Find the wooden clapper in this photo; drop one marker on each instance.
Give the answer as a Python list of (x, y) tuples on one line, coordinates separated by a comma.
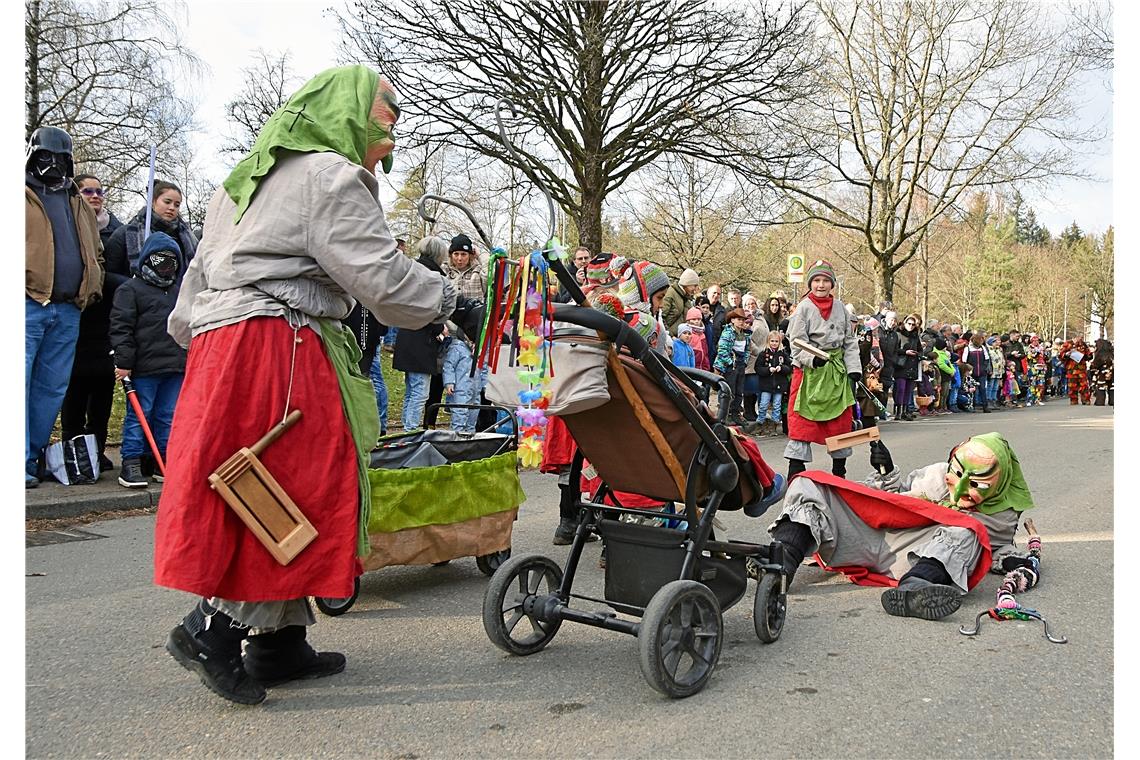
[(843, 440), (259, 500)]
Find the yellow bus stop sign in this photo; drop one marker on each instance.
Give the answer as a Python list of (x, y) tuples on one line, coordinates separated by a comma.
[(795, 267)]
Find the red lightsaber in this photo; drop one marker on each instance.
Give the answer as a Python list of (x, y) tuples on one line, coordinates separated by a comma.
[(129, 388)]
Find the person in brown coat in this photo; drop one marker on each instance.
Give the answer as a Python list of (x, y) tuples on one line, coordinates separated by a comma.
[(63, 273)]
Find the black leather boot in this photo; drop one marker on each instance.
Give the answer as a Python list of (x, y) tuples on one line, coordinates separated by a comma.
[(284, 655), (924, 592), (208, 642)]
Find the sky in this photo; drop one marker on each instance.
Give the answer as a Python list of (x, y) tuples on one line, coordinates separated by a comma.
[(226, 36)]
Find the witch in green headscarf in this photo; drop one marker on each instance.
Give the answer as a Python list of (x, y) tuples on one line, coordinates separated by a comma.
[(293, 238), (931, 535)]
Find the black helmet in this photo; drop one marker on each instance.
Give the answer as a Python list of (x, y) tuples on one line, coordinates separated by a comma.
[(57, 143), (50, 138)]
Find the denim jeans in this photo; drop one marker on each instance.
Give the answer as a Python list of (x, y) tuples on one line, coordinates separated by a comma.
[(415, 399), (954, 387), (767, 398), (157, 395), (992, 386), (376, 374), (50, 333), (457, 362), (390, 337)]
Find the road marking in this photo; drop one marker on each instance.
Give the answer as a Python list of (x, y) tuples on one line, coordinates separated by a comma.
[(1076, 538)]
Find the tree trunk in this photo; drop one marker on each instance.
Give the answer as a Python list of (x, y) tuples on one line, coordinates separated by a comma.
[(589, 221), (591, 175), (884, 279), (32, 70)]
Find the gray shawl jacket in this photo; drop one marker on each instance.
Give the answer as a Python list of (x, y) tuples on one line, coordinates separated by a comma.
[(808, 325), (313, 240)]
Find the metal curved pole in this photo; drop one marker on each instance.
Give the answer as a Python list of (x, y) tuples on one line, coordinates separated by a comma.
[(461, 206), (527, 169)]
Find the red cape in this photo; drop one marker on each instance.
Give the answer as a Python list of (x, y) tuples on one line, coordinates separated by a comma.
[(885, 510)]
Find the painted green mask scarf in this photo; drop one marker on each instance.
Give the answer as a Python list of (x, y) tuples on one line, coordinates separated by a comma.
[(331, 113), (985, 471)]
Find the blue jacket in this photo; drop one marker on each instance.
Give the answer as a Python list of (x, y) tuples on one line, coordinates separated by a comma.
[(683, 355)]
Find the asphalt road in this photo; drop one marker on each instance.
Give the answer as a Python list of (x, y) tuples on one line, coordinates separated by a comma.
[(423, 681)]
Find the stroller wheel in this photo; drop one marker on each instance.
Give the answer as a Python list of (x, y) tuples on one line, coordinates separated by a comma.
[(508, 625), (680, 638), (489, 563), (770, 608), (332, 606)]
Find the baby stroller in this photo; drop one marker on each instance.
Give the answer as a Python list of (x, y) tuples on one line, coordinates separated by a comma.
[(654, 436), (438, 495)]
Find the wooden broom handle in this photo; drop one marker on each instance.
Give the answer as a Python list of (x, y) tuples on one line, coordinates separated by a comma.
[(277, 431)]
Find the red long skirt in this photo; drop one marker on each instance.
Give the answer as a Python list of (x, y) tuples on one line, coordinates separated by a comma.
[(237, 378), (803, 429)]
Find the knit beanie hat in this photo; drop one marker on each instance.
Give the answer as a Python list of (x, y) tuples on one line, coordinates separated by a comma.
[(821, 267), (694, 313), (683, 328), (619, 265), (460, 243), (598, 271), (641, 282), (689, 277)]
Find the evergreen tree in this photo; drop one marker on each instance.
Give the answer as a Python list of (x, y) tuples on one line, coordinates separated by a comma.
[(994, 272), (1072, 234)]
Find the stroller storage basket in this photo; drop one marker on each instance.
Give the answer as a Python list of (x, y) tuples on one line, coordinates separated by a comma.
[(640, 559)]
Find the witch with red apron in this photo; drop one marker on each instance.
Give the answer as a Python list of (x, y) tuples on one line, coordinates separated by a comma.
[(293, 236), (821, 397)]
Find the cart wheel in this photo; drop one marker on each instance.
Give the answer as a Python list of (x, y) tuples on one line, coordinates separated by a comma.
[(332, 606), (515, 581), (489, 563), (770, 608), (680, 638)]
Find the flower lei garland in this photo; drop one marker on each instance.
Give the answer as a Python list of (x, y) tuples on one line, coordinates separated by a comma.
[(522, 290)]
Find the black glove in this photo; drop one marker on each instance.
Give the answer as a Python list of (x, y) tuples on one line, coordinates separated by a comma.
[(817, 362), (881, 457), (855, 376)]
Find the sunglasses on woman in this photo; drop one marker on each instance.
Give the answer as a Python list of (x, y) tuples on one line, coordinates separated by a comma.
[(92, 191)]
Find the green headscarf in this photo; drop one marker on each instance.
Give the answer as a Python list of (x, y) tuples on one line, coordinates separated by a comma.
[(331, 113), (1011, 491)]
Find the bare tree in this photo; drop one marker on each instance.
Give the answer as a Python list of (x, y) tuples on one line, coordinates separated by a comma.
[(685, 208), (926, 101), (604, 87), (1092, 40), (106, 73), (269, 82)]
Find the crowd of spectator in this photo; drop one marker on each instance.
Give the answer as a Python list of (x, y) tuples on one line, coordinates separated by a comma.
[(99, 292)]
